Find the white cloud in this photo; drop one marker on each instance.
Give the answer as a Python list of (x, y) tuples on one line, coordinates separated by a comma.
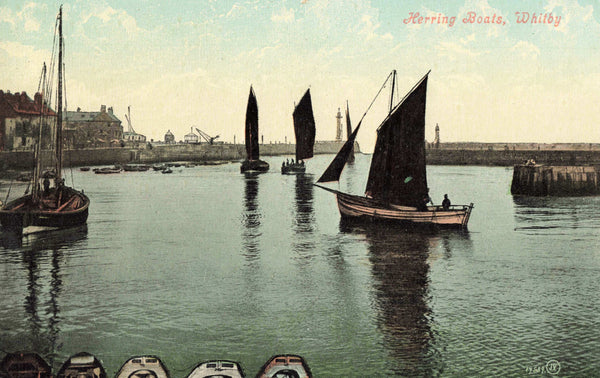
[(108, 14), (525, 49), (455, 51), (368, 28), (284, 15), (6, 15), (235, 11), (24, 17)]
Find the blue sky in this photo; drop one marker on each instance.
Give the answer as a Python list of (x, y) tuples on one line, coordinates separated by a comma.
[(186, 64)]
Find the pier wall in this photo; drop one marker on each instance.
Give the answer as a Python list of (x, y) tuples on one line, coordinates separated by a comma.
[(511, 157), (23, 160), (448, 154), (541, 180)]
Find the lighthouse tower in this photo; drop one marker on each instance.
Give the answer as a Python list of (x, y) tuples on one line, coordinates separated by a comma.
[(338, 134), (436, 141)]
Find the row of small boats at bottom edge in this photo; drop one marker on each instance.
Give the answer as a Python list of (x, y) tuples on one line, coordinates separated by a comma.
[(86, 365)]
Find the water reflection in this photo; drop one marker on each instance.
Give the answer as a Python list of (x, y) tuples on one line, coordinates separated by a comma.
[(534, 214), (303, 243), (304, 203), (251, 216), (400, 269), (41, 307)]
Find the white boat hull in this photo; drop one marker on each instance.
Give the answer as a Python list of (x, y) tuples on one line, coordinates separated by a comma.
[(352, 206), (143, 367)]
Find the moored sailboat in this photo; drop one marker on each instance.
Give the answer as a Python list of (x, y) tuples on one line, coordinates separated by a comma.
[(56, 206), (397, 183), (304, 129), (252, 162)]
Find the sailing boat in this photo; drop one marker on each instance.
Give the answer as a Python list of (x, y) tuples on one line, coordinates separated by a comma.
[(349, 132), (397, 182), (304, 129), (252, 162), (53, 207)]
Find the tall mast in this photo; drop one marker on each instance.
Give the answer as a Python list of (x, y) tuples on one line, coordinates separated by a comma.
[(59, 141), (35, 193), (392, 95)]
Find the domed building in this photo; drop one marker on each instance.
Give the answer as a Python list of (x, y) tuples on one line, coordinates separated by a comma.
[(169, 137)]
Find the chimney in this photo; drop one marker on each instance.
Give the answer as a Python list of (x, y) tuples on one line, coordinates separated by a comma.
[(103, 108), (78, 109), (110, 110), (37, 98)]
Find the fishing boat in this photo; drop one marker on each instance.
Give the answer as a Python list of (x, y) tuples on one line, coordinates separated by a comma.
[(82, 365), (217, 368), (143, 367), (107, 170), (56, 206), (397, 183), (167, 170), (304, 129), (24, 365), (135, 167), (285, 366), (252, 162)]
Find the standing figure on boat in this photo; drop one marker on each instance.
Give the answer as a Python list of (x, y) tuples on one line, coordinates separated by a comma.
[(46, 185), (446, 203)]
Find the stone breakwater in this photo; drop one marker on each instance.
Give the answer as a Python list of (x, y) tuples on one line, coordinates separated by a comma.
[(23, 160), (541, 180), (489, 154)]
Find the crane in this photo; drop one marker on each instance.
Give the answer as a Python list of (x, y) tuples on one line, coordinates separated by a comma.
[(128, 118), (206, 137)]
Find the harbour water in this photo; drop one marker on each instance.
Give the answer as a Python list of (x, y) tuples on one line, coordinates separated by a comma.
[(208, 263)]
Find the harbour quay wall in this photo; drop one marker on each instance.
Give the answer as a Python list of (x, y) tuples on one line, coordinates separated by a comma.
[(155, 153), (509, 158), (541, 180)]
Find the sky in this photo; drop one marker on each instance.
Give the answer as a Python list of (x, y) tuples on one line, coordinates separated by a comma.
[(190, 63)]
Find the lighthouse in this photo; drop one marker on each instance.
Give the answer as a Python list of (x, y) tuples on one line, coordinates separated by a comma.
[(338, 134)]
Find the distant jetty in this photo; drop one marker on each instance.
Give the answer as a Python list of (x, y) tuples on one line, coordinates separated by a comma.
[(510, 154), (156, 153), (468, 153)]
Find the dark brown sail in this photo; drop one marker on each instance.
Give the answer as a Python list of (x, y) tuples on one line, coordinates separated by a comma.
[(252, 151), (397, 173), (349, 131), (333, 172), (304, 127)]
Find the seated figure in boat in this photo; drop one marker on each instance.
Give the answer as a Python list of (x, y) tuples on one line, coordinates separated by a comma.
[(446, 203), (422, 206)]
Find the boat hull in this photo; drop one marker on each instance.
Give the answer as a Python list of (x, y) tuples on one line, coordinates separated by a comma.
[(82, 365), (358, 207), (17, 217), (285, 365), (217, 368), (143, 367), (254, 165), (291, 169), (24, 365)]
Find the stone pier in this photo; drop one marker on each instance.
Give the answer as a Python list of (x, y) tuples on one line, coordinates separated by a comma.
[(543, 180)]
